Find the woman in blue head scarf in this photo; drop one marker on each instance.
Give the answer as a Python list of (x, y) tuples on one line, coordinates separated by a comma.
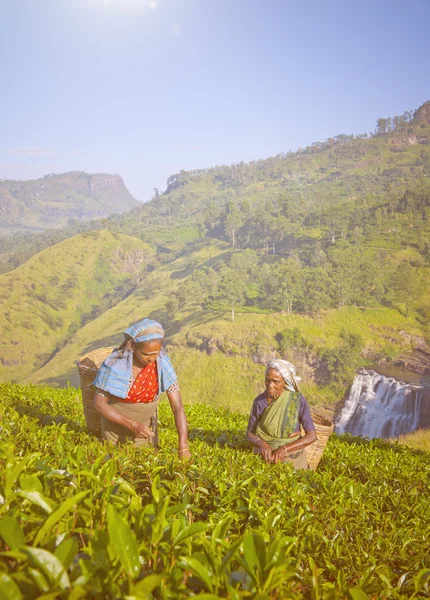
[(129, 383)]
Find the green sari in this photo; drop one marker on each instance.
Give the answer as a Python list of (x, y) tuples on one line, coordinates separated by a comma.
[(279, 420)]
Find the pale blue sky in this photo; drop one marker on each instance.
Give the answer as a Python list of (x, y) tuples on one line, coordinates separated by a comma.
[(145, 88)]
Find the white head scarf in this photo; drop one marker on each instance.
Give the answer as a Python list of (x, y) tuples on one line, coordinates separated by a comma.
[(288, 372)]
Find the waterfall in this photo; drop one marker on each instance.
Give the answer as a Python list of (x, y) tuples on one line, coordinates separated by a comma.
[(379, 406)]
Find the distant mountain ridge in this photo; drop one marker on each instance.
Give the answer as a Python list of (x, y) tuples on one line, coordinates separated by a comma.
[(50, 202), (332, 185)]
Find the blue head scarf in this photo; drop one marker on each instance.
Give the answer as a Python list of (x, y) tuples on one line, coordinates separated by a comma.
[(115, 374), (145, 330)]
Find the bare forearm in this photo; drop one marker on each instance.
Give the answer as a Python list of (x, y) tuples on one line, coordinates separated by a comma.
[(180, 418), (302, 442), (109, 413), (253, 439), (182, 427)]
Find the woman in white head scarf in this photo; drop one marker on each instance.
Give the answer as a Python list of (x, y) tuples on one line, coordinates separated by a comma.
[(276, 416)]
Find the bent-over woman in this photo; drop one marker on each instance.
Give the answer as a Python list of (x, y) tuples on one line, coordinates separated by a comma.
[(276, 416), (129, 383)]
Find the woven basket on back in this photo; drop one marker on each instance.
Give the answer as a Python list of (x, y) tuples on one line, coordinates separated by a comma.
[(323, 429), (88, 366)]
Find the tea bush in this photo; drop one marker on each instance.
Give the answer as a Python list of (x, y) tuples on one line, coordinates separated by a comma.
[(79, 519)]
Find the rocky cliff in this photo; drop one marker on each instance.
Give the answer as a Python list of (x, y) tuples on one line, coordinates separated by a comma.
[(51, 201)]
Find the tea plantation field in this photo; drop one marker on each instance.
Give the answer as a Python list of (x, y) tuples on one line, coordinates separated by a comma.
[(81, 520)]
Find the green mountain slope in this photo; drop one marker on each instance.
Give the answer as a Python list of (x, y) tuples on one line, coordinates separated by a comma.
[(220, 362), (323, 183), (321, 256), (55, 199), (326, 191), (58, 290)]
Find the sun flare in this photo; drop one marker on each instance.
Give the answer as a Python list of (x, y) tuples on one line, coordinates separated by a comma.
[(142, 4)]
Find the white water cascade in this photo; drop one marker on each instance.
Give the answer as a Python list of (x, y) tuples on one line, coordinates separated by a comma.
[(379, 406)]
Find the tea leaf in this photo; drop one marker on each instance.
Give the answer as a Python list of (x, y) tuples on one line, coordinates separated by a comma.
[(8, 588), (11, 533), (144, 588), (37, 498), (66, 552), (190, 531), (123, 542), (57, 514), (199, 569), (254, 548), (50, 566)]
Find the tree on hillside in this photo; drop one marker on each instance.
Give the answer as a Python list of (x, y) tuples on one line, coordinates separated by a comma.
[(345, 269), (172, 306), (133, 262), (231, 289), (290, 340), (289, 207), (283, 285), (316, 257), (198, 289), (382, 126), (208, 281), (211, 215), (406, 285), (190, 293), (379, 218), (357, 235), (317, 290), (233, 221), (416, 197), (422, 114), (339, 364), (245, 263), (282, 230)]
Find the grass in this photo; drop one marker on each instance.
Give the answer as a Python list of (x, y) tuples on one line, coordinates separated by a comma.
[(48, 296), (218, 380), (418, 440)]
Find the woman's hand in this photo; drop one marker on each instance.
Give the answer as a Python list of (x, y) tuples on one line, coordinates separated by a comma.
[(265, 450), (279, 454), (260, 446), (137, 429), (140, 430), (184, 453)]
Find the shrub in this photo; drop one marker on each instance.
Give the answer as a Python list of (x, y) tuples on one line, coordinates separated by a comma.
[(78, 518)]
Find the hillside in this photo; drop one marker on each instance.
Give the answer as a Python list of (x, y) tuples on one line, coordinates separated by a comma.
[(320, 256), (322, 186), (331, 190), (78, 521), (50, 202), (58, 290), (206, 341)]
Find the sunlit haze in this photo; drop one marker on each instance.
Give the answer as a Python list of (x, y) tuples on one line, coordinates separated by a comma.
[(146, 88)]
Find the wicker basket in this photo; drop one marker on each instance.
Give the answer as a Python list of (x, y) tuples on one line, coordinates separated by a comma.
[(88, 366), (324, 429)]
